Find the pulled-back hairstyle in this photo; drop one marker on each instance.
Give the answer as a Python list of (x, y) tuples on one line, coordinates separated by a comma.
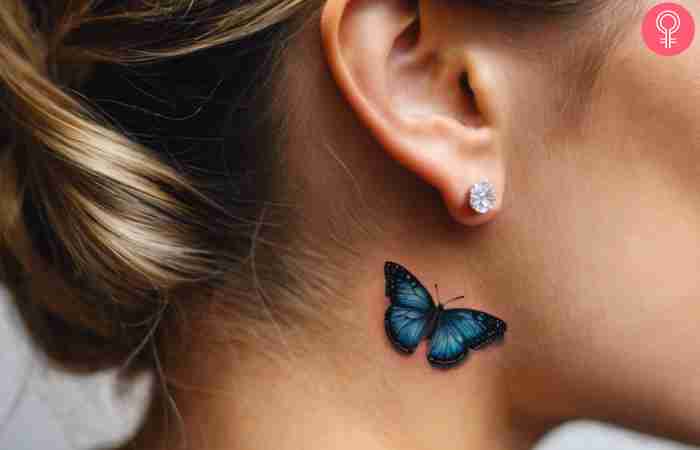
[(101, 226)]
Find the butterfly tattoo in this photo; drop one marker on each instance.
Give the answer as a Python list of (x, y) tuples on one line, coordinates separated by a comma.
[(413, 315)]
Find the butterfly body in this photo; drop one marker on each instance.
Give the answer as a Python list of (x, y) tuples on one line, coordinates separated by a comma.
[(413, 316)]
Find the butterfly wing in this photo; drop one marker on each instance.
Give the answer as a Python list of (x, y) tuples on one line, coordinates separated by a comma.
[(404, 289), (459, 330), (405, 327), (407, 319)]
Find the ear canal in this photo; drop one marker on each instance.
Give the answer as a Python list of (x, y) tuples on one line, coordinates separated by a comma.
[(465, 85)]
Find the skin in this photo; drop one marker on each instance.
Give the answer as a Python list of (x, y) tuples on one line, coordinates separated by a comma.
[(591, 255)]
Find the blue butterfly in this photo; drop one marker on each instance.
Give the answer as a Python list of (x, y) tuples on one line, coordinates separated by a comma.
[(413, 315)]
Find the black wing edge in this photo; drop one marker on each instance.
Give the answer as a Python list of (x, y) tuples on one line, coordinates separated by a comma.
[(389, 268), (496, 330), (438, 364)]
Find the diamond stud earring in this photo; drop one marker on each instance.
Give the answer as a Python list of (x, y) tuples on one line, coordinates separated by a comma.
[(482, 197)]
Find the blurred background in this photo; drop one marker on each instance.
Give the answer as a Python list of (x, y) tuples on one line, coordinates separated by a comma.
[(43, 409)]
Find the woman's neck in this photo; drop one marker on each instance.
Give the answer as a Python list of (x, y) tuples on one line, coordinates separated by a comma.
[(404, 404), (356, 395)]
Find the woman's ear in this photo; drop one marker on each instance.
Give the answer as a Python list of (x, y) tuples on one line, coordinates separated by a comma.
[(421, 90)]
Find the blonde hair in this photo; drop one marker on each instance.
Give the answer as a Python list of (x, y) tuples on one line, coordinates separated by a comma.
[(99, 232)]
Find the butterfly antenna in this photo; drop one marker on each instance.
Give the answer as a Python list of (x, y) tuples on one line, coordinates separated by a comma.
[(453, 299), (437, 294)]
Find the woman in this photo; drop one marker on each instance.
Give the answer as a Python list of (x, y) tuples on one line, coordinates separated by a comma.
[(211, 190)]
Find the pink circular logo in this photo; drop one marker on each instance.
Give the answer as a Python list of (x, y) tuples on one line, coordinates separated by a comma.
[(668, 29)]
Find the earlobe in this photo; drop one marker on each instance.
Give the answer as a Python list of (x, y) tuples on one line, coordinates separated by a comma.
[(404, 76)]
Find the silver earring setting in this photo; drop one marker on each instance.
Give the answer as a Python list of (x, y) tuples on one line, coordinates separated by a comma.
[(482, 197)]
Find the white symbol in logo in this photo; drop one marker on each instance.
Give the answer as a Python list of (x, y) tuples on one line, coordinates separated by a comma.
[(667, 38)]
